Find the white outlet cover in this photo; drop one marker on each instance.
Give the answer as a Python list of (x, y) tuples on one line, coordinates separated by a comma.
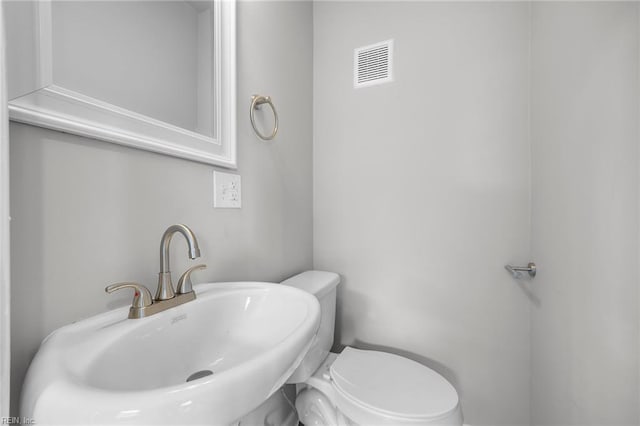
[(227, 191)]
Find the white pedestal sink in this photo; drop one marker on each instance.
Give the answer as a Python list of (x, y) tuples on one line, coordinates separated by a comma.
[(237, 343)]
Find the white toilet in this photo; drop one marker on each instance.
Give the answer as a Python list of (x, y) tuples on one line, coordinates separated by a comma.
[(359, 387)]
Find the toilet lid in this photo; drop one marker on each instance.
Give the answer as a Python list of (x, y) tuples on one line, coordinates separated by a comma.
[(392, 385)]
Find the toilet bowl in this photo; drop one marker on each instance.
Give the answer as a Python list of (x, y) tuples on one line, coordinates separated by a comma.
[(362, 387)]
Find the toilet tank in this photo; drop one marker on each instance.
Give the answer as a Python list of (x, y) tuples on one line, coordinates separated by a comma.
[(322, 285)]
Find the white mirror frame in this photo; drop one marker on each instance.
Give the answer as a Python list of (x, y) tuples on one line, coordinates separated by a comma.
[(61, 109)]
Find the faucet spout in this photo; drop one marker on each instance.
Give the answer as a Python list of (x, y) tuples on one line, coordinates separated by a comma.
[(165, 286)]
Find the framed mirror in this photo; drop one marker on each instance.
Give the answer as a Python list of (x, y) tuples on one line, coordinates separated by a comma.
[(156, 75)]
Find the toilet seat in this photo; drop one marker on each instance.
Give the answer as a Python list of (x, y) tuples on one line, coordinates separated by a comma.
[(374, 387), (392, 385)]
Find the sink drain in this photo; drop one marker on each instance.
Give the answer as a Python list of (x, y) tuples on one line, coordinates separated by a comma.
[(199, 375)]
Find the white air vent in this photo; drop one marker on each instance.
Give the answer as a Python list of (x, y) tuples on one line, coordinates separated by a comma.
[(373, 64)]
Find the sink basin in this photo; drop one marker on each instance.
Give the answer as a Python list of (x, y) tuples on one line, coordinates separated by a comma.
[(209, 361)]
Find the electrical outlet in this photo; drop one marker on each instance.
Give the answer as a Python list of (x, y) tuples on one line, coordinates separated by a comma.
[(226, 190)]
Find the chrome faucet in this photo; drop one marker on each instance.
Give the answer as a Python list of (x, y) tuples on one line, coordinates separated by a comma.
[(165, 286), (166, 297)]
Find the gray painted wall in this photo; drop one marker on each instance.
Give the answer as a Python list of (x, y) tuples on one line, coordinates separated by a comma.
[(421, 191), (585, 137), (86, 213)]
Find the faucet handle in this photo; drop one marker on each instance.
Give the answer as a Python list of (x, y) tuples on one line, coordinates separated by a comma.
[(142, 296), (184, 283)]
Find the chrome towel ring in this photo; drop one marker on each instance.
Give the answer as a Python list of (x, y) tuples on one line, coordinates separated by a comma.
[(256, 101)]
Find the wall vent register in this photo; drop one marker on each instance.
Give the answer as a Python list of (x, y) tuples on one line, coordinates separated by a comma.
[(373, 64)]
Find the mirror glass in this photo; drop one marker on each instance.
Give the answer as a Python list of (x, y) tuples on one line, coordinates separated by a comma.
[(150, 57)]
